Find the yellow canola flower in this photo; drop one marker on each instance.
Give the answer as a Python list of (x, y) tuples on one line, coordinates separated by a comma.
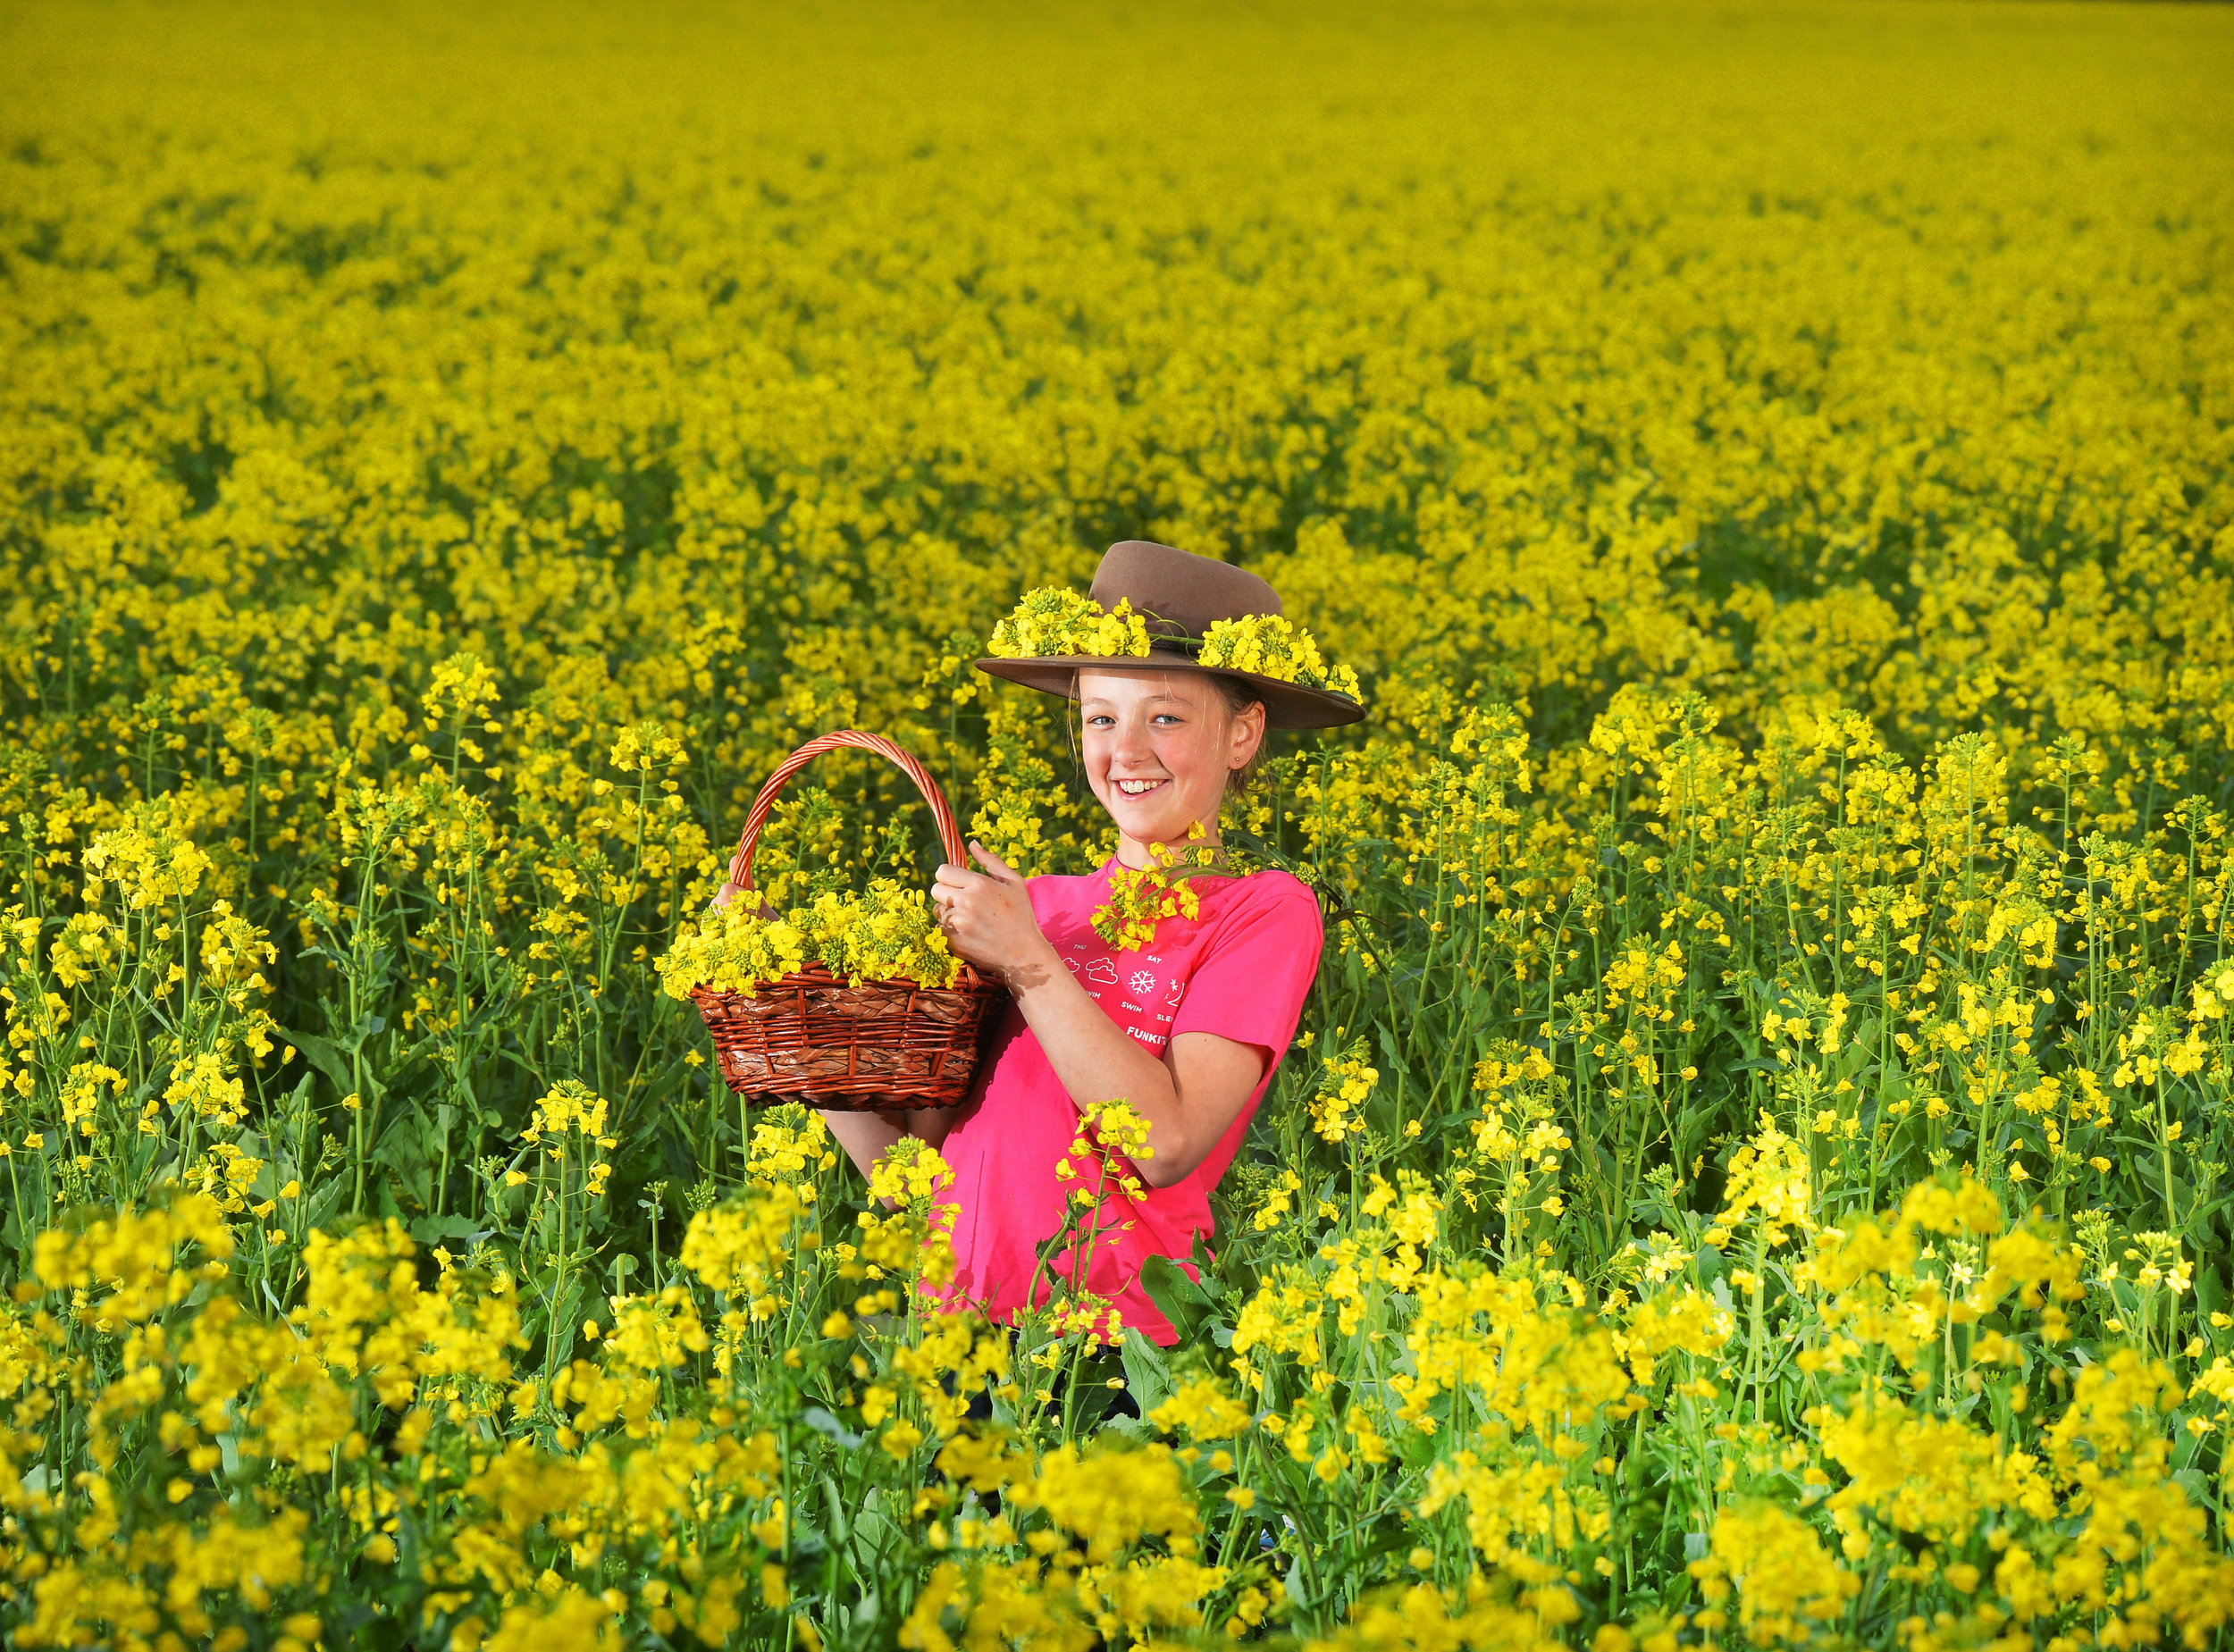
[(1770, 1180), (1204, 1410), (1786, 1585), (1111, 1499), (1270, 645), (135, 1256), (888, 933), (742, 1249), (1052, 621)]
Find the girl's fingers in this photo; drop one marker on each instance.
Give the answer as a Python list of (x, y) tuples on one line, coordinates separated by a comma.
[(998, 868)]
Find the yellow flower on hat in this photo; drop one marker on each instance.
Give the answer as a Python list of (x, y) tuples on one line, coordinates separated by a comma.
[(1266, 645), (1189, 613), (1052, 621)]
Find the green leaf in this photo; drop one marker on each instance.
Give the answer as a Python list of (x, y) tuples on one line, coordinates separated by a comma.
[(324, 1201), (328, 1057), (1178, 1297), (1148, 1369), (824, 1424), (434, 1229)]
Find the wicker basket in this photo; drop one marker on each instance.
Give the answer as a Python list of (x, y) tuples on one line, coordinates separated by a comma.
[(811, 1037)]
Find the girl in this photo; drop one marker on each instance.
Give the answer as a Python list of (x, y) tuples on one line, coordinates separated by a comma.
[(1186, 1029)]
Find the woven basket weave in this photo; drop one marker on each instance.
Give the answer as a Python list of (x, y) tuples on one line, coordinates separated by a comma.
[(812, 1037)]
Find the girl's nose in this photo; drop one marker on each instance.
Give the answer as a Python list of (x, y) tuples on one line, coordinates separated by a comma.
[(1133, 744)]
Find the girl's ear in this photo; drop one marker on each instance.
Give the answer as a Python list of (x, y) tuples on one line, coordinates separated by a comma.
[(1244, 733)]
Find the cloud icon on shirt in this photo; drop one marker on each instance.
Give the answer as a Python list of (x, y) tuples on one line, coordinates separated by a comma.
[(1102, 972)]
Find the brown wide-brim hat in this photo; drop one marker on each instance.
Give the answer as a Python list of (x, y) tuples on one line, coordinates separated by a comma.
[(1179, 596)]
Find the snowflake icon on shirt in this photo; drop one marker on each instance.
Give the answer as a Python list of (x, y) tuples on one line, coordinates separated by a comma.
[(1102, 972), (1141, 984)]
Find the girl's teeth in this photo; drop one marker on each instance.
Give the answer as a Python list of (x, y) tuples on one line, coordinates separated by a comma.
[(1134, 788)]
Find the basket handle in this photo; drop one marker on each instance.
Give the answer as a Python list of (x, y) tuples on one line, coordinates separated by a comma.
[(949, 835)]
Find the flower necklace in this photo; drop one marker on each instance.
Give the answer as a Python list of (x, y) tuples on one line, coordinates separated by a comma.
[(1140, 898)]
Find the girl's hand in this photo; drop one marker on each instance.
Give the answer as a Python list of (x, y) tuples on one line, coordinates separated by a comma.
[(987, 917)]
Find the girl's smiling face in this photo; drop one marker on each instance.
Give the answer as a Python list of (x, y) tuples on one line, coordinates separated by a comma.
[(1158, 747)]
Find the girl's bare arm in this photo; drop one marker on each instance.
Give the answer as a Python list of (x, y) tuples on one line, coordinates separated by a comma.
[(865, 1135)]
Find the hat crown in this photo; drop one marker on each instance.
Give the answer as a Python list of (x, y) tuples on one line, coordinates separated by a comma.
[(1178, 594)]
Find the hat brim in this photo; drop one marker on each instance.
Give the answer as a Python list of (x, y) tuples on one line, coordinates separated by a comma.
[(1287, 705)]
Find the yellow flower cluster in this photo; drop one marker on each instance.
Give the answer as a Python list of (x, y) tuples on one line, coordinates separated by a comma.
[(134, 1258), (887, 934), (1769, 1180), (1268, 645), (569, 1125), (1141, 898), (1053, 623), (734, 950), (890, 934), (741, 1250), (1788, 1587), (1345, 1082)]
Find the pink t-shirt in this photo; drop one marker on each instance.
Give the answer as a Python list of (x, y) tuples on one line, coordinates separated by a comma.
[(1240, 968)]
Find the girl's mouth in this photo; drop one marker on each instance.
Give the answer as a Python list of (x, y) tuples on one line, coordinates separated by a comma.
[(1140, 788)]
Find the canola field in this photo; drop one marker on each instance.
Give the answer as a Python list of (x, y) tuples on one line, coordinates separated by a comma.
[(1756, 1173)]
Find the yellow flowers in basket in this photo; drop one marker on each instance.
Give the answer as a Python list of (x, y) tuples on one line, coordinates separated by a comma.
[(887, 934)]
